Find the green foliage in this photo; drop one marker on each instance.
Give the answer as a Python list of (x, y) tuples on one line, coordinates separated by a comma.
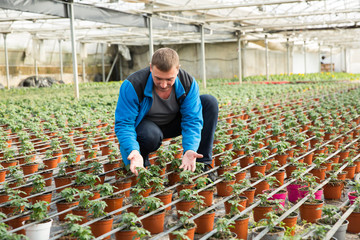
[(96, 208), (39, 211), (75, 230), (152, 204)]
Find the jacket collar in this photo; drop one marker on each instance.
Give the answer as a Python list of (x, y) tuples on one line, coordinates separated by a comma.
[(179, 89)]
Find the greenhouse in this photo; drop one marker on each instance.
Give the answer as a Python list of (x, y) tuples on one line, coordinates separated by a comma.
[(195, 119)]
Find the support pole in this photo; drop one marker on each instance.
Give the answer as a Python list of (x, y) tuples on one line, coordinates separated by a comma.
[(331, 60), (239, 57), (83, 70), (103, 61), (36, 69), (151, 42), (243, 57), (61, 61), (73, 48), (6, 62), (304, 49), (120, 68), (319, 58), (203, 67), (287, 56), (112, 67), (345, 60), (267, 58)]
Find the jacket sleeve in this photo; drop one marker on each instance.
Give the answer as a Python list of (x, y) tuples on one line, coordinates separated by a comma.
[(192, 119), (127, 110)]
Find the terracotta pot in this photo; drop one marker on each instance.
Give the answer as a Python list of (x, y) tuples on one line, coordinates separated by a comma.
[(18, 222), (280, 176), (333, 190), (247, 160), (126, 235), (281, 159), (242, 201), (221, 170), (205, 223), (184, 186), (154, 223), (311, 212), (51, 163), (48, 176), (8, 164), (260, 211), (240, 176), (44, 197), (308, 158), (101, 227), (260, 187), (2, 175), (110, 166), (289, 169), (190, 234), (350, 171), (327, 165), (343, 155), (27, 190), (123, 185), (184, 206), (174, 178), (30, 169), (354, 219), (241, 227), (4, 198), (250, 194), (318, 173), (166, 199), (224, 188), (114, 204), (134, 209), (208, 197), (290, 221), (81, 212), (257, 168), (95, 196), (62, 181), (62, 206)]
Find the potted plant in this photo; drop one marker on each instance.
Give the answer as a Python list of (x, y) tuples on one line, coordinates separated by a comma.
[(330, 215), (270, 222), (113, 163), (186, 181), (259, 167), (5, 230), (222, 227), (153, 223), (352, 195), (103, 225), (333, 189), (131, 228), (208, 193), (39, 188), (158, 189), (236, 199), (240, 227), (136, 200), (113, 201), (62, 178), (266, 205), (224, 188), (205, 222), (123, 181), (69, 200), (83, 206), (311, 209), (39, 223), (186, 229), (75, 231), (189, 197), (143, 180)]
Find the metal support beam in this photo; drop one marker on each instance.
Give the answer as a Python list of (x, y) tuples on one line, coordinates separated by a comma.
[(83, 70), (287, 57), (103, 61), (6, 62), (151, 41), (267, 58), (36, 69), (239, 57), (120, 68), (331, 60), (345, 60), (73, 48), (319, 53), (203, 67), (243, 57), (61, 61), (304, 49), (112, 67)]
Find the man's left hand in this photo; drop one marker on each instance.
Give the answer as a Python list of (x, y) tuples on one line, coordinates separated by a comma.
[(189, 160)]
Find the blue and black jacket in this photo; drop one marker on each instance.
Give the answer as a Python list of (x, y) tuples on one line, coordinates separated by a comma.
[(135, 100)]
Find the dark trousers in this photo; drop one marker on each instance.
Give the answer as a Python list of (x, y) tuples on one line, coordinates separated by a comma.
[(150, 135)]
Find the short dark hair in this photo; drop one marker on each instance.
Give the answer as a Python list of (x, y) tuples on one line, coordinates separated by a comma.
[(165, 58)]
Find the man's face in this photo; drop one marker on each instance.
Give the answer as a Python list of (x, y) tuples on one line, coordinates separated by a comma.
[(163, 81)]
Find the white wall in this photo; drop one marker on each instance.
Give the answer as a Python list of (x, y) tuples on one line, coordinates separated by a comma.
[(312, 62)]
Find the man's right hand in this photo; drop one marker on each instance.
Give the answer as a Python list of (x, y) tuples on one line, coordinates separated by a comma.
[(136, 160)]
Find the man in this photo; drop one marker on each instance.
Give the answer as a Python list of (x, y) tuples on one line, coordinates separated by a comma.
[(162, 101)]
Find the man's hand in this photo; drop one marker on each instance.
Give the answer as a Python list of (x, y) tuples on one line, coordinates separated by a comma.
[(189, 160), (136, 160)]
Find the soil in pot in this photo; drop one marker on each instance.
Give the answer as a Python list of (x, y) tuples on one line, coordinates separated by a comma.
[(276, 235)]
